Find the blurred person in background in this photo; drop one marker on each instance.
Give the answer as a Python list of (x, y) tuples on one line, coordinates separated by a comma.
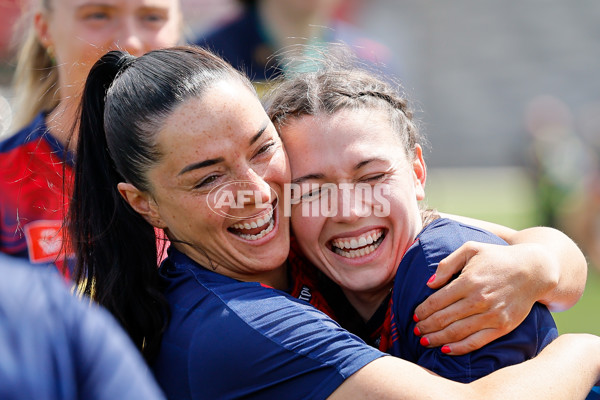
[(61, 41), (266, 28), (54, 346), (565, 167), (9, 13)]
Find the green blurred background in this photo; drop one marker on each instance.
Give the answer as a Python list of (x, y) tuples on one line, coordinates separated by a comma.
[(506, 196)]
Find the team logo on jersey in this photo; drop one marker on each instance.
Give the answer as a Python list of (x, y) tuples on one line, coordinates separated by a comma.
[(44, 241)]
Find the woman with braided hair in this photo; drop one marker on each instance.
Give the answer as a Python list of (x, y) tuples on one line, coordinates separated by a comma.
[(357, 218), (159, 135)]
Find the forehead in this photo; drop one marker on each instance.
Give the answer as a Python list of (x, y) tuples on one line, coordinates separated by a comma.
[(347, 130), (117, 3), (226, 114)]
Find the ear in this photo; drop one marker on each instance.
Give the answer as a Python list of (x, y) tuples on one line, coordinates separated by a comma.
[(40, 24), (142, 203), (419, 172)]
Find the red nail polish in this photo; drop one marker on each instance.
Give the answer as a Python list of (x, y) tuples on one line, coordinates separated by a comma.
[(415, 318), (417, 331), (424, 341), (446, 349), (431, 279)]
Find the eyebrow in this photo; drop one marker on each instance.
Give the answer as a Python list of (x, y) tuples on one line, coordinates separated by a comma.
[(307, 177), (201, 164), (365, 162), (318, 176), (258, 135)]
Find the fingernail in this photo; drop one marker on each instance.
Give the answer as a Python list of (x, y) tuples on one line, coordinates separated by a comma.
[(415, 318), (424, 341), (446, 349), (417, 331), (431, 279)]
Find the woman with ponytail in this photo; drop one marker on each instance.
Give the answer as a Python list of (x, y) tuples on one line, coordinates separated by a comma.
[(178, 140), (62, 40)]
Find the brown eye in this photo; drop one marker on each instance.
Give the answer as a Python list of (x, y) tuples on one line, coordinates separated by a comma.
[(207, 181), (265, 148)]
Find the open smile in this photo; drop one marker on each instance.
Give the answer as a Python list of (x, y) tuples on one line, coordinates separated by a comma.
[(257, 228), (358, 246)]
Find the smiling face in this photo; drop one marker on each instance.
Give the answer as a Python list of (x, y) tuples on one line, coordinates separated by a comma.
[(80, 31), (211, 143), (360, 250)]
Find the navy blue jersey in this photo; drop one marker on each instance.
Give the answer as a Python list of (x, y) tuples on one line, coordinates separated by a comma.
[(231, 339), (247, 45), (55, 347), (433, 244)]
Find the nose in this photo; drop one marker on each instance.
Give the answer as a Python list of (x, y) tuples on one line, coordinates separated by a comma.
[(129, 37), (259, 192), (351, 204)]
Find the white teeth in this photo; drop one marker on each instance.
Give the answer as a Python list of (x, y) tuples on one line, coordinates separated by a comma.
[(254, 224), (357, 253), (259, 235), (363, 240)]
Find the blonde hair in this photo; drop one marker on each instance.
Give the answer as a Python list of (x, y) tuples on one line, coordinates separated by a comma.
[(36, 77)]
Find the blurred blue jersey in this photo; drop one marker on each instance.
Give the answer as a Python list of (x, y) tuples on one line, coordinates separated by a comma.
[(55, 347)]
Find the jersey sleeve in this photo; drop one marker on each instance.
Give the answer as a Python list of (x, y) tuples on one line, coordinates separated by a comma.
[(420, 262), (263, 345)]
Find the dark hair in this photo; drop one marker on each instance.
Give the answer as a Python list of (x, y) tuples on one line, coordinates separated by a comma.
[(125, 103), (337, 80)]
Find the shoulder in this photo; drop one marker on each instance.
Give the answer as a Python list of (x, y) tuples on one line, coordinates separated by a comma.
[(443, 236), (272, 343), (35, 130), (240, 30)]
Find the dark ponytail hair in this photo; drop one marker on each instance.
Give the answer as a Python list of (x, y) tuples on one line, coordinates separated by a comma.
[(125, 103)]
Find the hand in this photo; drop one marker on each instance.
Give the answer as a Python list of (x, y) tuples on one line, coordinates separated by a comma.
[(491, 297)]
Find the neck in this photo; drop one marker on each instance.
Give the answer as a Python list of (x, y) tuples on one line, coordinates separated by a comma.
[(287, 26), (366, 303), (276, 277), (61, 124)]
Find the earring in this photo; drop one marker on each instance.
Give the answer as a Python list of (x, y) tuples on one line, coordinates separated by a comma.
[(50, 53)]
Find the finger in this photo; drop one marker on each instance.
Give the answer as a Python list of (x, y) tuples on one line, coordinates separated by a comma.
[(455, 323), (465, 332), (443, 298), (472, 342), (452, 264)]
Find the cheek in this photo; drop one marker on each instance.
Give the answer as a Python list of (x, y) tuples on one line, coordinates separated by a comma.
[(306, 229), (78, 59), (189, 214), (280, 167), (167, 37)]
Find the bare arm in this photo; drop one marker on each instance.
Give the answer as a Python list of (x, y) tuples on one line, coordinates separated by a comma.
[(566, 369), (499, 284), (553, 257)]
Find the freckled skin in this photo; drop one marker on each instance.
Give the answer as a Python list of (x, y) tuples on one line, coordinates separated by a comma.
[(219, 125), (353, 136)]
